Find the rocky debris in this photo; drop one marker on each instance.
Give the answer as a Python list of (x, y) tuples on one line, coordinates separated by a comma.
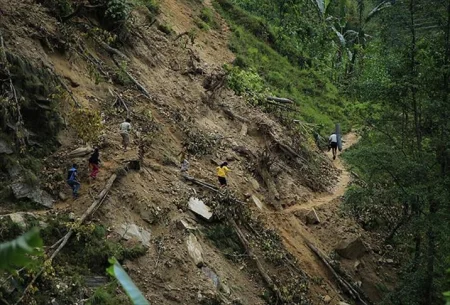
[(200, 208), (195, 250), (18, 219), (357, 265), (22, 190), (257, 202), (132, 231), (343, 303), (185, 225), (62, 196), (5, 148), (327, 299), (351, 249), (211, 275), (244, 129), (311, 218), (254, 183), (80, 152), (94, 281)]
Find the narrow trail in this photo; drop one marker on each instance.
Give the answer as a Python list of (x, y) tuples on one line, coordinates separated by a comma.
[(294, 233), (339, 190)]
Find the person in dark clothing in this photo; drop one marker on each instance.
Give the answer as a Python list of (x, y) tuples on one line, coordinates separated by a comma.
[(72, 180), (94, 163)]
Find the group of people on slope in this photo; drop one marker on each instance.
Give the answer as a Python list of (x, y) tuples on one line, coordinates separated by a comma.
[(125, 129)]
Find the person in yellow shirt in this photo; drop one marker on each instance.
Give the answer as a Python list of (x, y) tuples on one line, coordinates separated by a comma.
[(222, 171)]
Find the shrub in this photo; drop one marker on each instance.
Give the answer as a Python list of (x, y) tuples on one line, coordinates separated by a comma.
[(207, 16), (248, 84), (117, 11), (87, 123), (166, 28)]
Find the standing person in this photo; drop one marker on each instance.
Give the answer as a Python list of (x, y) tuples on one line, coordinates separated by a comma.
[(94, 162), (72, 180), (125, 129), (222, 171), (332, 140)]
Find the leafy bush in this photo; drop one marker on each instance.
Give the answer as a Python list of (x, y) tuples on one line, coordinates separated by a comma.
[(87, 123), (201, 24), (247, 84), (117, 10), (207, 16), (166, 28)]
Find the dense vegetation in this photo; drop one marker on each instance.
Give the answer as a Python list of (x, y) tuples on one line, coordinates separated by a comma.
[(393, 58)]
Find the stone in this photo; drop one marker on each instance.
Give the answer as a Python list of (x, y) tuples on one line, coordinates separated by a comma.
[(195, 250), (62, 196), (311, 218), (211, 275), (130, 231), (184, 225), (94, 281), (18, 219), (80, 152), (22, 190), (224, 288), (351, 249), (343, 303), (356, 265), (200, 208), (257, 202), (254, 183), (389, 261), (244, 129), (327, 299), (5, 148)]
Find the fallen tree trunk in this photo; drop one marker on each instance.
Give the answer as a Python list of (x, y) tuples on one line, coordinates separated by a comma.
[(280, 100), (235, 116), (352, 291), (268, 181), (260, 267), (283, 107), (140, 87), (94, 206)]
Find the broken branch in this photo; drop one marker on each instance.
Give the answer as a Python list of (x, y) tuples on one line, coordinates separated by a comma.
[(280, 100)]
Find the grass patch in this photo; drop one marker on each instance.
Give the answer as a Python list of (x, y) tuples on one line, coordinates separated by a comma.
[(252, 42)]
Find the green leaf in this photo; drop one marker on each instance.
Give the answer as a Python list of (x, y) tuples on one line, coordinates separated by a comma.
[(126, 282), (16, 253)]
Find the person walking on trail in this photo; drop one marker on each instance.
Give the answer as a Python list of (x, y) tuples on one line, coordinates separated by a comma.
[(222, 171), (125, 129), (94, 163), (333, 144), (72, 180)]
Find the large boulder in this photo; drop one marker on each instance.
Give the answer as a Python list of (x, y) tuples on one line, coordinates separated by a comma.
[(200, 208), (257, 202), (195, 250), (311, 218), (132, 231), (22, 190), (351, 248)]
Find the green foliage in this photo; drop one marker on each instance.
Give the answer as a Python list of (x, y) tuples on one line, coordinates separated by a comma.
[(248, 84), (153, 6), (225, 239), (117, 11), (18, 252), (166, 29), (207, 16), (87, 123), (126, 282)]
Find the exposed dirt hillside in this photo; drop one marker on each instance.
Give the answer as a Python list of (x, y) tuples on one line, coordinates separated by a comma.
[(187, 103)]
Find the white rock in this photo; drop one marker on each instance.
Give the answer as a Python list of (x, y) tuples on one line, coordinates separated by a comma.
[(195, 250), (200, 208), (18, 219), (130, 231), (258, 202)]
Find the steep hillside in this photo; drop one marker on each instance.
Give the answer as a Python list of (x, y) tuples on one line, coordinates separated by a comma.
[(70, 76)]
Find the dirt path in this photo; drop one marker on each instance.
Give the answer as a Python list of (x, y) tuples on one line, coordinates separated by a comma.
[(339, 190), (294, 232)]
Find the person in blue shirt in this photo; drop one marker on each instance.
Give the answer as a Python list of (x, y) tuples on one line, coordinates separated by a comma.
[(72, 180)]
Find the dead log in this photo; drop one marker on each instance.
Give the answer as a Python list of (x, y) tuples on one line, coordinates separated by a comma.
[(119, 98), (260, 267), (280, 100), (348, 287), (235, 116), (94, 206), (112, 51), (201, 183), (283, 107), (268, 181), (140, 87)]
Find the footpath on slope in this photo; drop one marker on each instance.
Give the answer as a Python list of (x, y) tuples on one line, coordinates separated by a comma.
[(294, 233)]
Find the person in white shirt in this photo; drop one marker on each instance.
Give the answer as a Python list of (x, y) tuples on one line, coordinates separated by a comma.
[(125, 129), (333, 143)]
